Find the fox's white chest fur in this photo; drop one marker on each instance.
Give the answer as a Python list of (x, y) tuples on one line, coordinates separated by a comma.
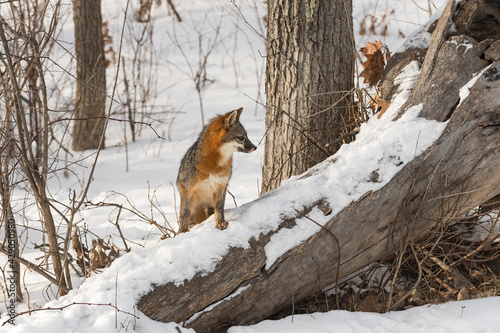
[(212, 183), (207, 187)]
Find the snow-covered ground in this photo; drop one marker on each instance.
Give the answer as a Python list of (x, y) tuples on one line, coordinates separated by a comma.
[(137, 174), (464, 316)]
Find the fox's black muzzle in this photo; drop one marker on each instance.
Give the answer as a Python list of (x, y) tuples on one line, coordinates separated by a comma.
[(248, 147)]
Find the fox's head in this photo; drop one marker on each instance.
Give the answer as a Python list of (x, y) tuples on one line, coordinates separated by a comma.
[(236, 138)]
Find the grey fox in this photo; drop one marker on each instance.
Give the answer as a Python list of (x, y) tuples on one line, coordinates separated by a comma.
[(206, 168)]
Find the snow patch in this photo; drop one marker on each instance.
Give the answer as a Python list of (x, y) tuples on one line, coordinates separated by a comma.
[(453, 317), (420, 37), (465, 90)]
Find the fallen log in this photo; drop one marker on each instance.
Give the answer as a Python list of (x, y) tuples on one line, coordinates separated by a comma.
[(461, 170)]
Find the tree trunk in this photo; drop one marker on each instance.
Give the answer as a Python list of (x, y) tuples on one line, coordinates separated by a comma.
[(91, 75), (309, 76), (461, 170)]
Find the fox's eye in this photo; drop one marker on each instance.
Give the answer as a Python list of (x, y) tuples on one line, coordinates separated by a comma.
[(241, 138)]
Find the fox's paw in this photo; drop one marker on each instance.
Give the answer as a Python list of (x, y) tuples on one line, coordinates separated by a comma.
[(183, 228), (221, 225)]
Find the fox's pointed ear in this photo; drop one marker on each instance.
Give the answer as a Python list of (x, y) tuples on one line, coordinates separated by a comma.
[(233, 117), (240, 110)]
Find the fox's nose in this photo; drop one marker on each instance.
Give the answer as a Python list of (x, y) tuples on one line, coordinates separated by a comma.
[(250, 147)]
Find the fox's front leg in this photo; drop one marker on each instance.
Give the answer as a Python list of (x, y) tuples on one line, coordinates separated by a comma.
[(220, 198), (184, 215)]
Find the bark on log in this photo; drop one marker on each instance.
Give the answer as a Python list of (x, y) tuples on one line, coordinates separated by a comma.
[(461, 170)]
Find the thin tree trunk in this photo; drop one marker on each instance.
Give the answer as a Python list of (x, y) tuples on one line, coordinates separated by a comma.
[(91, 75), (309, 76)]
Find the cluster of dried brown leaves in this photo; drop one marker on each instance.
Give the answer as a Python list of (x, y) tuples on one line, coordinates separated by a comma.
[(377, 55), (143, 14), (99, 256), (110, 53)]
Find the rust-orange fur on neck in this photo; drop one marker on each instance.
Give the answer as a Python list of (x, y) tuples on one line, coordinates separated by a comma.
[(210, 148)]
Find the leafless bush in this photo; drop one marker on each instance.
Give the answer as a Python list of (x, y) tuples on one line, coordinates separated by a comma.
[(33, 141), (166, 230), (197, 69), (140, 83), (27, 115)]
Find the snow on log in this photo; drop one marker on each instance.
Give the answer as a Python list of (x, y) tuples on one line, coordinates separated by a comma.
[(403, 178)]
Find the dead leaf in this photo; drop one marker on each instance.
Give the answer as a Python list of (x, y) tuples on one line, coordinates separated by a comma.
[(463, 294), (370, 304), (376, 55), (80, 250), (98, 256), (416, 298), (382, 106), (378, 105)]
